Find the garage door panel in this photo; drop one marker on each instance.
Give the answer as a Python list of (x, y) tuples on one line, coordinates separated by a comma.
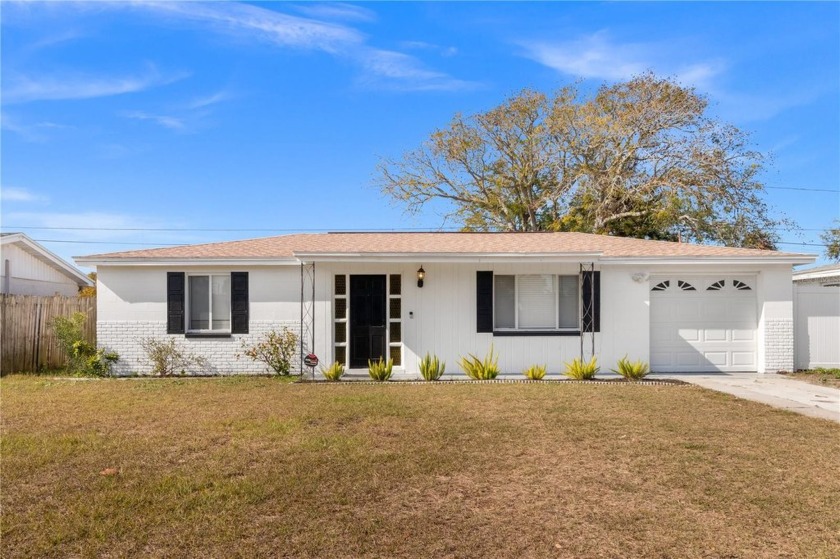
[(688, 359), (660, 360), (716, 358), (689, 334), (743, 335), (703, 330), (714, 335), (743, 359)]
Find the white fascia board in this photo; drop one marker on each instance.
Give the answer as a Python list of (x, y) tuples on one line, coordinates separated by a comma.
[(48, 257), (448, 257), (821, 274), (703, 260), (185, 263)]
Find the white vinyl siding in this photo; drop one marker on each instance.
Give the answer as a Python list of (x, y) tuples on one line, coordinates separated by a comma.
[(535, 302), (209, 303)]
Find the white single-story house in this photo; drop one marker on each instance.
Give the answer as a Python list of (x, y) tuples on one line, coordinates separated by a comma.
[(30, 269), (537, 298), (816, 309)]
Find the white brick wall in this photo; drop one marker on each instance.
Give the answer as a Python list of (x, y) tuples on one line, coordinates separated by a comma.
[(220, 353), (778, 345)]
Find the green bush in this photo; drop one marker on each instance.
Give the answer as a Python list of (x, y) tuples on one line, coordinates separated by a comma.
[(166, 359), (478, 369), (334, 372), (579, 369), (535, 372), (636, 370), (83, 357), (275, 350), (431, 368), (380, 371)]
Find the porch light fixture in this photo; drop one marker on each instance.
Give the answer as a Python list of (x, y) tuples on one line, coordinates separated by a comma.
[(421, 275)]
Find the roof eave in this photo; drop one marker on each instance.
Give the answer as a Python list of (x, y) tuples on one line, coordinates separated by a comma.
[(184, 262)]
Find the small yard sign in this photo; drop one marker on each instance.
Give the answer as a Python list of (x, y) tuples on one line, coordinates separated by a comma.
[(311, 360)]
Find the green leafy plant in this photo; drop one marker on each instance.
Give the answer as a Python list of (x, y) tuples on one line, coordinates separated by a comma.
[(166, 359), (431, 367), (635, 370), (481, 369), (83, 357), (535, 372), (579, 369), (334, 372), (276, 350), (380, 370)]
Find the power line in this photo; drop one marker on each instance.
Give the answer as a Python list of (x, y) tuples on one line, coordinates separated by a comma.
[(187, 229), (183, 244), (257, 230), (802, 189)]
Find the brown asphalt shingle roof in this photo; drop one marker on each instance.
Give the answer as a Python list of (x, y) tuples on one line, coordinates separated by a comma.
[(287, 246)]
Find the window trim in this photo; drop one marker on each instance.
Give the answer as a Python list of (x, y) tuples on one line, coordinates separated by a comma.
[(206, 333), (557, 330)]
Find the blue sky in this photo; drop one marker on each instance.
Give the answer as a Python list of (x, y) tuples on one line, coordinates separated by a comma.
[(131, 124)]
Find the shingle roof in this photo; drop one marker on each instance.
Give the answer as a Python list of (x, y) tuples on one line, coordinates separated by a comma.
[(288, 246)]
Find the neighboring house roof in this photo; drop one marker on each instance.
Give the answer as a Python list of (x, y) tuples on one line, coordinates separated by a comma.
[(439, 246), (22, 241), (818, 273)]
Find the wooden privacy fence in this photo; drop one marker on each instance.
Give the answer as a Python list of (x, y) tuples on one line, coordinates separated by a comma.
[(27, 341)]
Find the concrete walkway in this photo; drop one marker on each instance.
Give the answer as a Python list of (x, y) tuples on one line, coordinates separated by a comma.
[(775, 390)]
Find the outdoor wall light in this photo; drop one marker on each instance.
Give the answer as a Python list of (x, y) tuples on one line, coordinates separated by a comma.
[(421, 275)]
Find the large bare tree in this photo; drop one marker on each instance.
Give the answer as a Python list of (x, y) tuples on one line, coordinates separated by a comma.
[(638, 158)]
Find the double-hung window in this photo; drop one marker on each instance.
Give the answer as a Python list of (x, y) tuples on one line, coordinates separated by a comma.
[(536, 302), (208, 303)]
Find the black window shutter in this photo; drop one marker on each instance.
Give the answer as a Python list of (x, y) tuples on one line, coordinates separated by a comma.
[(484, 302), (175, 282), (591, 302), (239, 302)]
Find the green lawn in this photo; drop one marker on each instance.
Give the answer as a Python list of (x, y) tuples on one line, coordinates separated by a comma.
[(259, 467)]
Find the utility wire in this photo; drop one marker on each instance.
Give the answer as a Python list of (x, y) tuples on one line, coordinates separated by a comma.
[(280, 230), (183, 244)]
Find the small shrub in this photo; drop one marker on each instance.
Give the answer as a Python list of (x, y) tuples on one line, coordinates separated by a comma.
[(276, 350), (636, 370), (166, 359), (334, 372), (579, 369), (83, 357), (380, 371), (431, 368), (478, 369), (535, 372)]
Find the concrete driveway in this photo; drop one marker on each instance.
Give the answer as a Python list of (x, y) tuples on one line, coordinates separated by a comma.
[(776, 390)]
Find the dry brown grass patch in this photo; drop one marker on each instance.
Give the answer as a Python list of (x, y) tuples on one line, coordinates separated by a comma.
[(256, 467)]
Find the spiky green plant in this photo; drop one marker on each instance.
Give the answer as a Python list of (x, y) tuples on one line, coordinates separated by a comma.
[(431, 367), (334, 372), (535, 372), (635, 370), (481, 369), (579, 369), (380, 370)]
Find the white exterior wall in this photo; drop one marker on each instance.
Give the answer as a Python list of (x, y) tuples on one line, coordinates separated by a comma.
[(30, 276), (132, 305), (817, 326), (775, 323)]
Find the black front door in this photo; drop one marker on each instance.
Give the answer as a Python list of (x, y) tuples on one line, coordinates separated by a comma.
[(367, 319)]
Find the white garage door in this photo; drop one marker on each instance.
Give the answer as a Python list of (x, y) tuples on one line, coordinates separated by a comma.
[(703, 324)]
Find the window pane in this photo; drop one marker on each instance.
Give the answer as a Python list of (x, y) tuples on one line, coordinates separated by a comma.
[(569, 302), (504, 305), (199, 302), (221, 302), (537, 301)]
